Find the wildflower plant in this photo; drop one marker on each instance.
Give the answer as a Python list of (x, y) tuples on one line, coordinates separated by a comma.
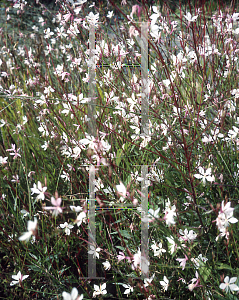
[(189, 150)]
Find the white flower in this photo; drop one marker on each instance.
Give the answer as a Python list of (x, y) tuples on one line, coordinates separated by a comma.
[(3, 160), (81, 218), (2, 123), (40, 20), (48, 90), (187, 236), (18, 278), (225, 216), (35, 28), (189, 17), (169, 217), (94, 251), (72, 296), (106, 265), (76, 208), (152, 214), (31, 227), (235, 17), (76, 150), (199, 262), (15, 152), (91, 18), (79, 2), (121, 190), (140, 261), (229, 284), (99, 290), (235, 92), (233, 133), (24, 213), (89, 140), (158, 249), (171, 244), (147, 281), (164, 283), (156, 14), (45, 146), (136, 259), (223, 220), (39, 190), (227, 209), (15, 178), (170, 213), (205, 175), (129, 289), (48, 33), (67, 227), (110, 14)]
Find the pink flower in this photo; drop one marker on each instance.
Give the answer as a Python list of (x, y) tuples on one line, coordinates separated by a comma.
[(121, 256), (15, 152), (134, 9), (132, 31), (64, 74), (182, 261), (194, 282), (56, 208), (67, 17)]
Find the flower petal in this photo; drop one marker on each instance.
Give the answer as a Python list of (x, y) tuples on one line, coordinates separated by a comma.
[(233, 279), (25, 237), (233, 287), (233, 220), (74, 293)]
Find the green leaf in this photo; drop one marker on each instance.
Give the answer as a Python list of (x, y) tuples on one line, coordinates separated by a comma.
[(100, 91), (120, 247), (118, 156), (204, 272), (125, 233), (34, 268), (224, 266), (34, 256)]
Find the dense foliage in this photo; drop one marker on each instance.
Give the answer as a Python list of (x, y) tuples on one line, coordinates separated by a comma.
[(185, 164)]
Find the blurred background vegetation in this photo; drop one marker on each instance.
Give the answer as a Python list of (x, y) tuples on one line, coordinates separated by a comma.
[(32, 10), (172, 4)]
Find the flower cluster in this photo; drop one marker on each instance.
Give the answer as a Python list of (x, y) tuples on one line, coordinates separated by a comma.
[(225, 217)]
